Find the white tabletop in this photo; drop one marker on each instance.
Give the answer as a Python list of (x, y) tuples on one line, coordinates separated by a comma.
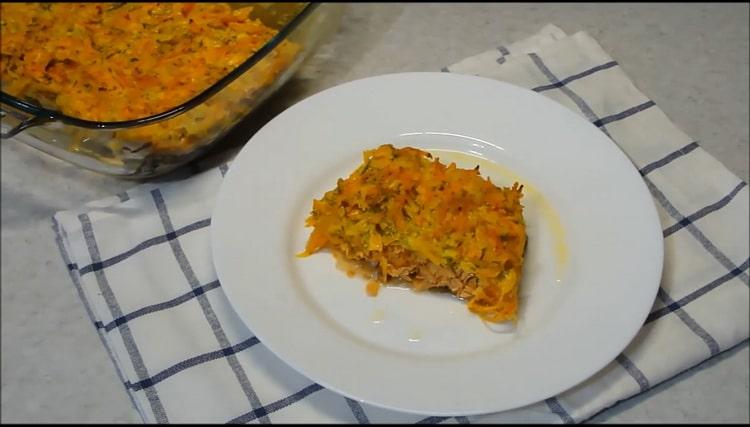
[(691, 59)]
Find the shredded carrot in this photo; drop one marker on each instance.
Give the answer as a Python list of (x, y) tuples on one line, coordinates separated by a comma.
[(372, 288), (420, 221), (122, 61)]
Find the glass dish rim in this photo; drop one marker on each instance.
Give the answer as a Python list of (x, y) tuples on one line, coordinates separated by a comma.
[(41, 114)]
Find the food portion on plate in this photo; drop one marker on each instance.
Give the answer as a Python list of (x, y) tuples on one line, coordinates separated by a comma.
[(404, 217)]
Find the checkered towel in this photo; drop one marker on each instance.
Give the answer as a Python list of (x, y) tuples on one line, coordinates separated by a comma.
[(142, 264)]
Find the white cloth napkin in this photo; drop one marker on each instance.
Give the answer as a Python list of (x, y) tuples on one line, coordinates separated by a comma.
[(141, 262)]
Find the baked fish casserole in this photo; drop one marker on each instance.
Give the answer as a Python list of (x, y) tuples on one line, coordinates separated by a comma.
[(404, 217), (125, 61)]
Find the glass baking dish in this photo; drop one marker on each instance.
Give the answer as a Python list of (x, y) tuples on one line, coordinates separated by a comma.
[(153, 145)]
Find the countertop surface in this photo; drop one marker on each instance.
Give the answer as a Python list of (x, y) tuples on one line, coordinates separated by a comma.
[(691, 59)]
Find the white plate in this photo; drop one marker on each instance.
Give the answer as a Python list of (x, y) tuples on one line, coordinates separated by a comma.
[(425, 353)]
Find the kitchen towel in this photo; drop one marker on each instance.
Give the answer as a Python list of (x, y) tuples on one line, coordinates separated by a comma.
[(141, 262)]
